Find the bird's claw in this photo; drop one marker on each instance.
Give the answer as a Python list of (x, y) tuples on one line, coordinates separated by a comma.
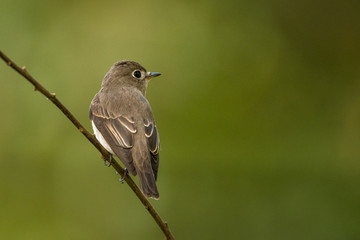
[(123, 177), (107, 162)]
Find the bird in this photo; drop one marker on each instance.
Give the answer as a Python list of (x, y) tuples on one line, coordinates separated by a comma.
[(124, 124)]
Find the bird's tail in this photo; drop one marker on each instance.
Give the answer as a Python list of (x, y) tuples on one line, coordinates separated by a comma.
[(142, 162), (148, 184)]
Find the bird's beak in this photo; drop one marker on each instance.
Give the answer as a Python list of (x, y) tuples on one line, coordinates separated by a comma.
[(152, 74)]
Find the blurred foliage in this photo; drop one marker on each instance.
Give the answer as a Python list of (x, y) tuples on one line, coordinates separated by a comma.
[(258, 110)]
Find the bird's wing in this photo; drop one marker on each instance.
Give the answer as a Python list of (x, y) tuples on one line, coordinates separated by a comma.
[(117, 130), (152, 137)]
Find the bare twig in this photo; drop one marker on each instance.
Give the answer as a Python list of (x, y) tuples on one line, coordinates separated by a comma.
[(52, 96)]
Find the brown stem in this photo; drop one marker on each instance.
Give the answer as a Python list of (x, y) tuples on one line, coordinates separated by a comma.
[(52, 96)]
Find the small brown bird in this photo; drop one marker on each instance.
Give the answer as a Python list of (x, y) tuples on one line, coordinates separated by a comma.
[(123, 122)]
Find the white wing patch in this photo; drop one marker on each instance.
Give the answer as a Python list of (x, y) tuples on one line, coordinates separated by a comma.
[(101, 139)]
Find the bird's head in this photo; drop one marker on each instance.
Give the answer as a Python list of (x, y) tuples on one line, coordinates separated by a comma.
[(128, 74)]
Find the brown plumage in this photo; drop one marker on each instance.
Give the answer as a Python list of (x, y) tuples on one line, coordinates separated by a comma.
[(124, 124)]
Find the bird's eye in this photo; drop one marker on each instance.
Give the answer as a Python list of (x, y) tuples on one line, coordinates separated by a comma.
[(137, 74)]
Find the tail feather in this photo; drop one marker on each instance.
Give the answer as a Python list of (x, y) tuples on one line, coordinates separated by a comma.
[(148, 184), (142, 162)]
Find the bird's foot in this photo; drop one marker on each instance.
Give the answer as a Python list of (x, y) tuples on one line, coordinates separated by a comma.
[(125, 175), (107, 162)]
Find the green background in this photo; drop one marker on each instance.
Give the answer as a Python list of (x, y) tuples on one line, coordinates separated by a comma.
[(258, 110)]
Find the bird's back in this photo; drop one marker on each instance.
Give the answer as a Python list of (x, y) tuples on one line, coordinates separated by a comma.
[(124, 118)]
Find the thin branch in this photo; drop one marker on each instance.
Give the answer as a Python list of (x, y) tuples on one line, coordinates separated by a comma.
[(52, 96)]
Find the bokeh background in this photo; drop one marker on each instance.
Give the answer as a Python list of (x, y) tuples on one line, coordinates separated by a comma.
[(258, 110)]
